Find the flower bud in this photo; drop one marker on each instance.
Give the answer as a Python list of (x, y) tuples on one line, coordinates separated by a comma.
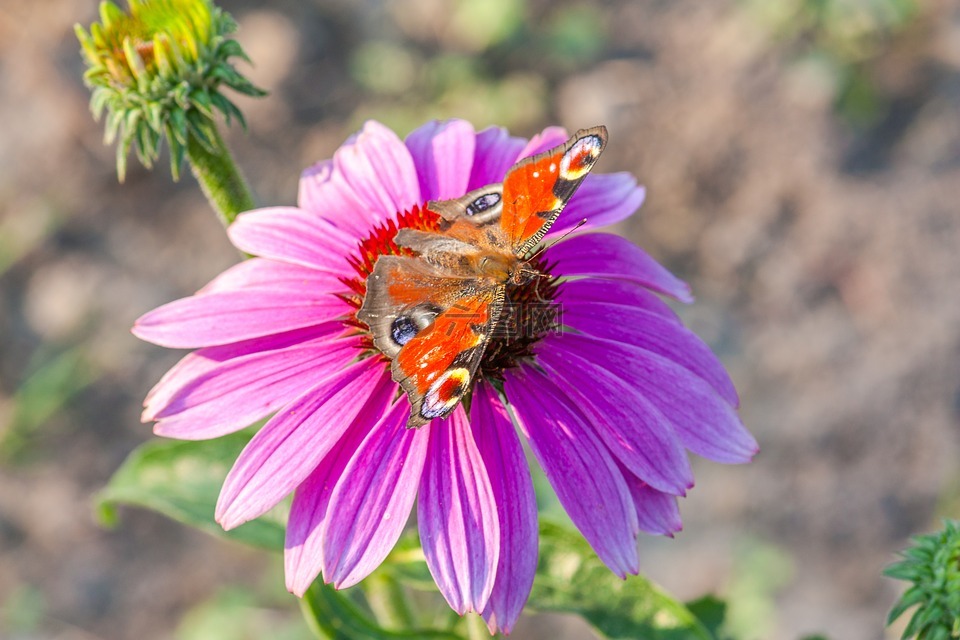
[(157, 71)]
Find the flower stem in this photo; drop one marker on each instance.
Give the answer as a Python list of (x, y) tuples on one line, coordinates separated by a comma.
[(476, 628), (389, 602), (219, 177)]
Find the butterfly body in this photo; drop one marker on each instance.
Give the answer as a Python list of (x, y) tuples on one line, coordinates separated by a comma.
[(432, 314)]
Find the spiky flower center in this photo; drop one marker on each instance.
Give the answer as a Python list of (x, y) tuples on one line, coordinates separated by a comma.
[(529, 311)]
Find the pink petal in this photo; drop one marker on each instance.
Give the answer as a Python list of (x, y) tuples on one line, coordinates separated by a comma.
[(303, 552), (289, 447), (377, 167), (579, 467), (372, 501), (457, 516), (635, 432), (705, 423), (601, 200), (516, 508), (495, 152), (231, 316), (546, 139), (443, 155), (295, 236), (260, 273), (325, 193), (654, 333), (235, 394), (604, 255), (204, 360), (588, 290)]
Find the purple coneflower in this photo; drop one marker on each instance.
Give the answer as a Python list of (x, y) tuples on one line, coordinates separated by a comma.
[(610, 404)]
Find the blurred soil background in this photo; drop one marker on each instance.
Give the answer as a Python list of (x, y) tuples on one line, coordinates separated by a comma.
[(802, 159)]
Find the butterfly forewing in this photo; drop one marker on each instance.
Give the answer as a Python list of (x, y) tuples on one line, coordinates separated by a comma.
[(537, 188)]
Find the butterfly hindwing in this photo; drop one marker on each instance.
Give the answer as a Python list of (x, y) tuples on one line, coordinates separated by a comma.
[(537, 188), (404, 296), (479, 207), (437, 366)]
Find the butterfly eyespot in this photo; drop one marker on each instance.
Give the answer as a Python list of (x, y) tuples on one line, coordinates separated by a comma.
[(444, 394), (405, 327), (576, 162), (484, 202), (403, 330)]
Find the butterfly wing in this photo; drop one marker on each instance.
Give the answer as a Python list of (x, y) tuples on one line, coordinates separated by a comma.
[(404, 296), (479, 207), (433, 327), (436, 368), (536, 189)]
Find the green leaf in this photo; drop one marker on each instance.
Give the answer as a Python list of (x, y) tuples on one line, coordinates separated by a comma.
[(182, 479), (710, 611), (332, 615), (572, 579)]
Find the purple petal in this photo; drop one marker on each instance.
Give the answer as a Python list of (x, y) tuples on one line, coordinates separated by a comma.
[(231, 316), (516, 508), (371, 503), (204, 360), (705, 422), (588, 290), (637, 434), (289, 447), (295, 236), (601, 200), (260, 273), (325, 193), (546, 139), (496, 151), (240, 391), (443, 155), (457, 516), (658, 512), (303, 551), (651, 332), (579, 467), (378, 168), (604, 255)]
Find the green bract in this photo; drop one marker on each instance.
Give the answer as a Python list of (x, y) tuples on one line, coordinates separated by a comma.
[(158, 71), (932, 564)]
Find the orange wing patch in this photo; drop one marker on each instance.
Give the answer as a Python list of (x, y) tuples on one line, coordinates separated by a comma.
[(437, 366), (536, 189)]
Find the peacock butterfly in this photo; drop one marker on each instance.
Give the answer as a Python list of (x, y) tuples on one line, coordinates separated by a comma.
[(432, 313)]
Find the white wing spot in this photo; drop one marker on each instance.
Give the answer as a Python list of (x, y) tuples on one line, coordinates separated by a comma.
[(536, 174), (553, 167)]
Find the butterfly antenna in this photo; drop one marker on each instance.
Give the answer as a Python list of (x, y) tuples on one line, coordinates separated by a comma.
[(544, 247)]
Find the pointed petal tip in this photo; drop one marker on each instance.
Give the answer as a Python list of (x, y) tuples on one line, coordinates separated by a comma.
[(225, 516), (296, 584)]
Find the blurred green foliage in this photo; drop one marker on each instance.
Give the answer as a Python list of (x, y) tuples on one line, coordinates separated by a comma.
[(760, 570), (54, 377), (487, 61), (240, 614), (841, 38), (22, 613)]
